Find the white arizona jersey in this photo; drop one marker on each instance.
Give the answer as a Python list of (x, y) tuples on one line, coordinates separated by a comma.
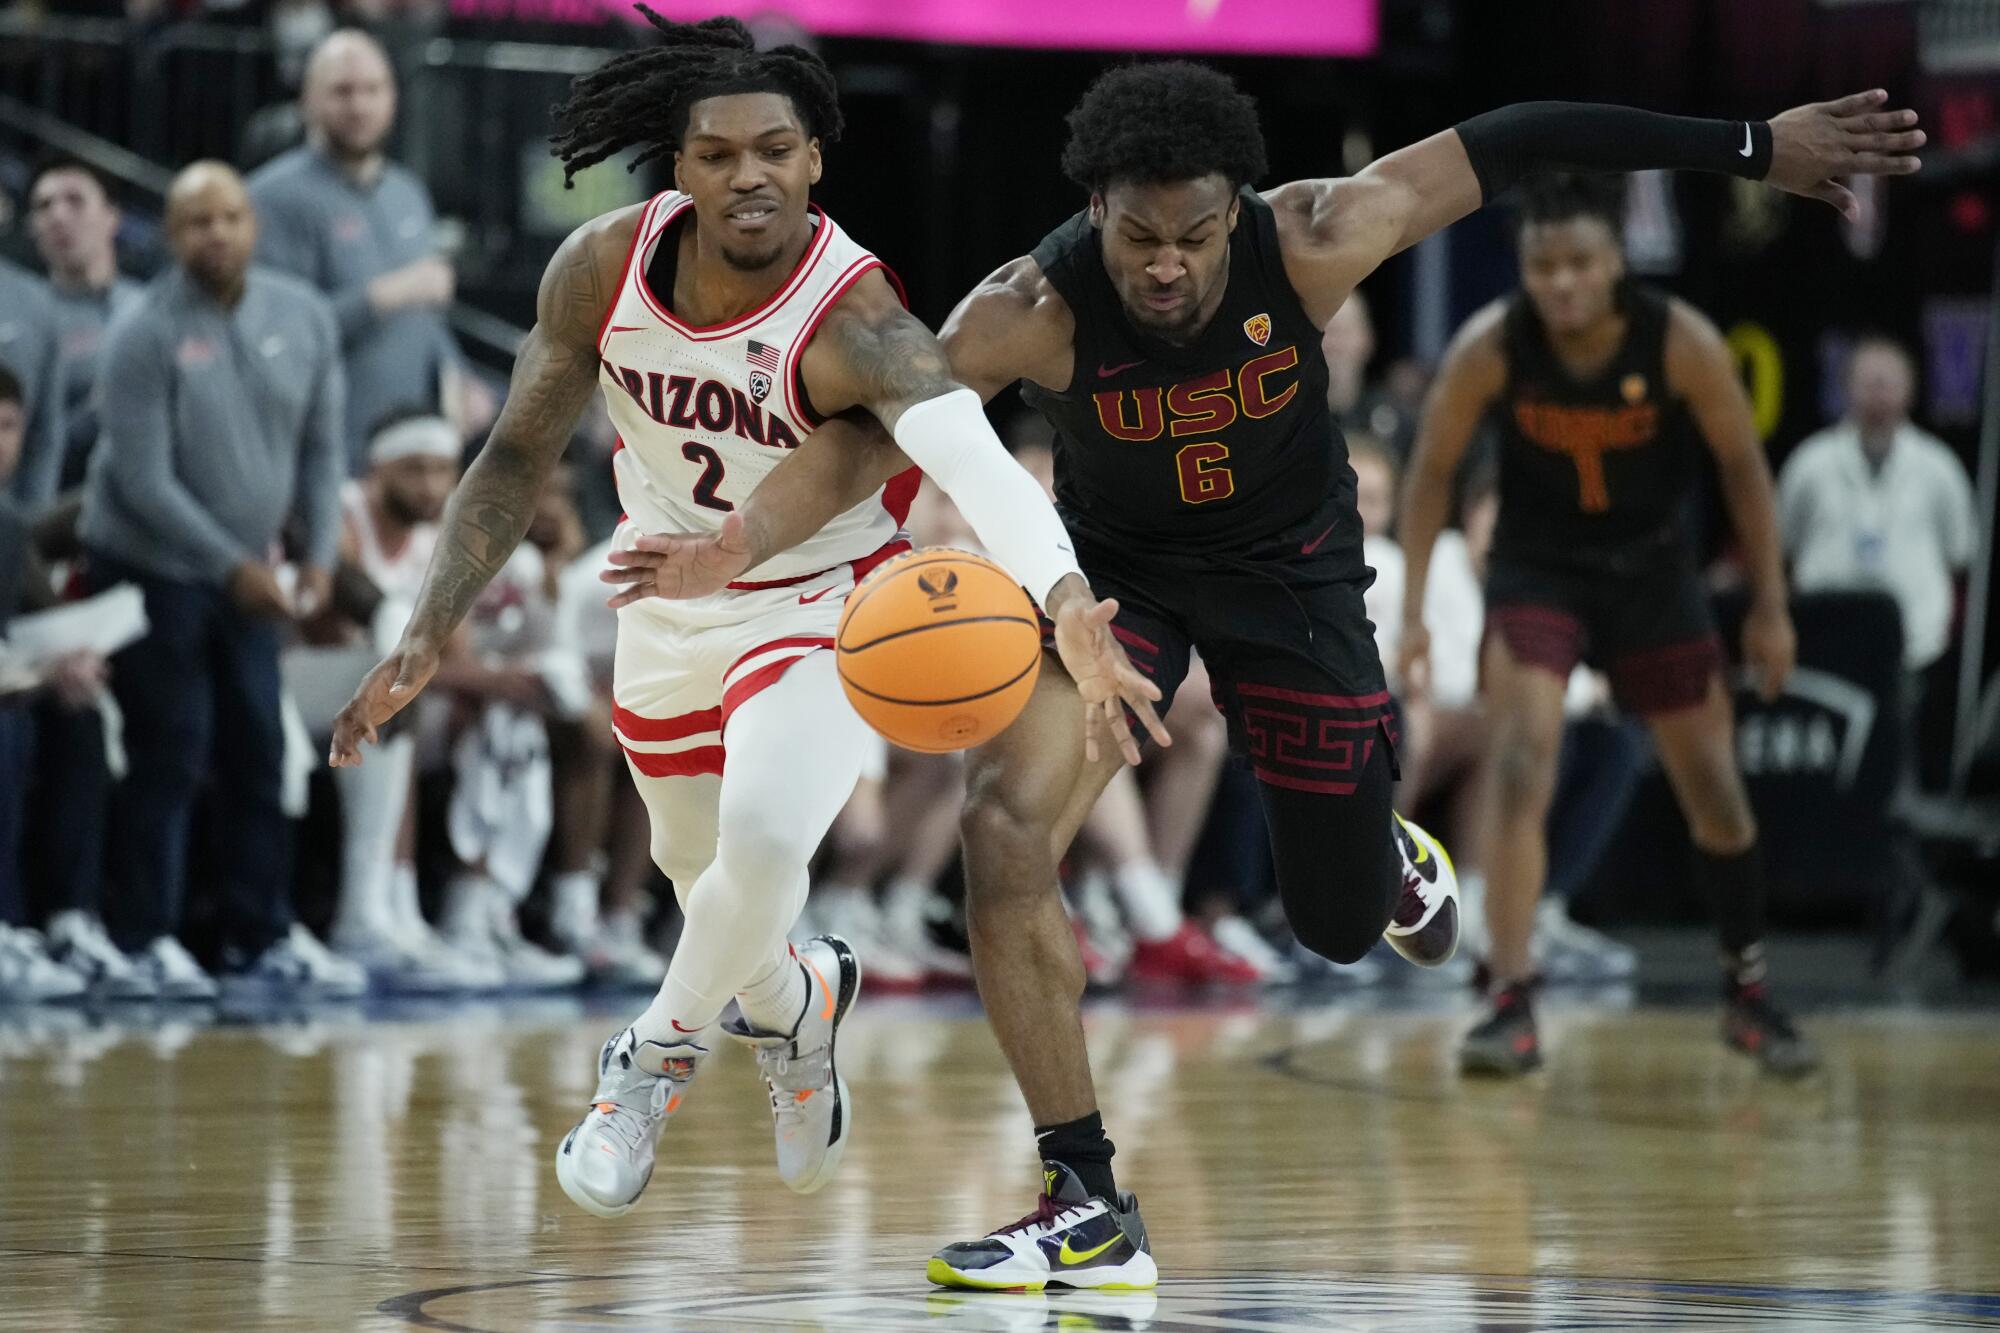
[(398, 573), (704, 413)]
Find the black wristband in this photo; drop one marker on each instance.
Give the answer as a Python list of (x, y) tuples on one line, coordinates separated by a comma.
[(1514, 141)]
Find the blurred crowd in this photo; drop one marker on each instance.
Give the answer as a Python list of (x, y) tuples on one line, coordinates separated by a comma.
[(253, 448)]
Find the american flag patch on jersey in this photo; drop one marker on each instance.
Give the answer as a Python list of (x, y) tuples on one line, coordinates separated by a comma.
[(763, 356)]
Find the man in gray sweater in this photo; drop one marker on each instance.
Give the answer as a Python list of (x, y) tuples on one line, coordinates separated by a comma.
[(338, 213), (28, 350), (221, 398), (75, 225)]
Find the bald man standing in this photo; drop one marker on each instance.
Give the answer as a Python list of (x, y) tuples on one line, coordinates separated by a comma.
[(338, 213), (221, 400)]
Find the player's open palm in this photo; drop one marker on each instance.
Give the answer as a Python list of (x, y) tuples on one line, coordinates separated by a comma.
[(1106, 679), (679, 566), (1812, 145), (383, 693)]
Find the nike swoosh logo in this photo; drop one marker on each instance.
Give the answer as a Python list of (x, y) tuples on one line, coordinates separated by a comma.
[(675, 1024), (1418, 855), (1313, 545), (1744, 151), (1105, 372), (1069, 1256), (622, 328), (828, 1011), (808, 601)]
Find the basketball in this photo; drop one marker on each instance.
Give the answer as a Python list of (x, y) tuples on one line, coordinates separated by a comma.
[(939, 650)]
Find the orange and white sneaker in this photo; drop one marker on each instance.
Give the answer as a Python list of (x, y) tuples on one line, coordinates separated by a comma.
[(604, 1163), (811, 1112)]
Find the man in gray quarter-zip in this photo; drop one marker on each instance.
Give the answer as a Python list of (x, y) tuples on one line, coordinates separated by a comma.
[(221, 397), (75, 225), (28, 350), (338, 213)]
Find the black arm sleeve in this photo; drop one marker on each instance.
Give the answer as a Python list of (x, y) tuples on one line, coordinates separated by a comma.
[(1512, 142)]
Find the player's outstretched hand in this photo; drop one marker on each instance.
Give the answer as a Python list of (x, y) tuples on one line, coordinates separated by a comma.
[(1852, 136), (384, 692), (678, 566), (1771, 647), (1106, 679)]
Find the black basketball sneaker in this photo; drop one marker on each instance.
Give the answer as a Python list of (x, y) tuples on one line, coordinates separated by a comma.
[(1506, 1044), (1070, 1240), (1751, 1023)]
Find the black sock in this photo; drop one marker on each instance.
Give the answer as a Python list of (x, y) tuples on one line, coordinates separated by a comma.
[(1736, 893), (1081, 1146)]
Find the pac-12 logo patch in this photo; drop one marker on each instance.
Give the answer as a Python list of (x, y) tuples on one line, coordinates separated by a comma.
[(1259, 329), (760, 386)]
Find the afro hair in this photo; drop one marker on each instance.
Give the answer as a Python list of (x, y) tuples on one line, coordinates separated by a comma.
[(1169, 121), (1559, 196)]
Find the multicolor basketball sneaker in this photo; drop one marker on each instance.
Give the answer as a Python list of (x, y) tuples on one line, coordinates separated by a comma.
[(811, 1113), (604, 1163), (1424, 928), (1070, 1240)]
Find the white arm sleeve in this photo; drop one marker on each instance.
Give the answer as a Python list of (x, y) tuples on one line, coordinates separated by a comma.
[(949, 438)]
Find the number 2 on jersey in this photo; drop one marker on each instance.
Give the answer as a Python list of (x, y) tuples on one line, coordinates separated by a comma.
[(1203, 478), (711, 477)]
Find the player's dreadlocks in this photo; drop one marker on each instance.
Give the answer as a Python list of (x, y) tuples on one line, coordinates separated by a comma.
[(1558, 196), (1167, 121), (643, 97)]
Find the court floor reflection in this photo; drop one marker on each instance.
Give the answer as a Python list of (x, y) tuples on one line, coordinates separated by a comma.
[(1301, 1166)]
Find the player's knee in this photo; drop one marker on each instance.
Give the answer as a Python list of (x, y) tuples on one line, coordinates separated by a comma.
[(1339, 938), (1722, 826), (760, 854), (999, 835), (1524, 772)]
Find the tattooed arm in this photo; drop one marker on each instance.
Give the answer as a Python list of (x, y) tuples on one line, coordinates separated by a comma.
[(554, 376)]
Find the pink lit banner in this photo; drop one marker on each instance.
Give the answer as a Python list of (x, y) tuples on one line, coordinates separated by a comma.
[(1244, 27)]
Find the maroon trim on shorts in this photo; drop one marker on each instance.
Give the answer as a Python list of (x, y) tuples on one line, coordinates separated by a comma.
[(1666, 679), (1538, 636), (1376, 700), (1131, 640)]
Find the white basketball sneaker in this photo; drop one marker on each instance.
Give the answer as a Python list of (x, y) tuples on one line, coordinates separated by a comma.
[(605, 1162), (77, 941), (1424, 928), (812, 1114)]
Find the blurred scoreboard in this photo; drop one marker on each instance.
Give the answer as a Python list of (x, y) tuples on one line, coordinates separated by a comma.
[(1241, 27)]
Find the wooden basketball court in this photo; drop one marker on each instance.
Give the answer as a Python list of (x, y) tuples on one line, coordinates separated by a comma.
[(1302, 1165)]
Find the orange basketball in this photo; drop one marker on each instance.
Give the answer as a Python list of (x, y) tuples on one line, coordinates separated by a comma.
[(939, 649)]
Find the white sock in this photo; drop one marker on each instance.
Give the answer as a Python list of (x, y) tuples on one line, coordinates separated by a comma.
[(1152, 902), (404, 909), (777, 999), (573, 905), (373, 797)]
